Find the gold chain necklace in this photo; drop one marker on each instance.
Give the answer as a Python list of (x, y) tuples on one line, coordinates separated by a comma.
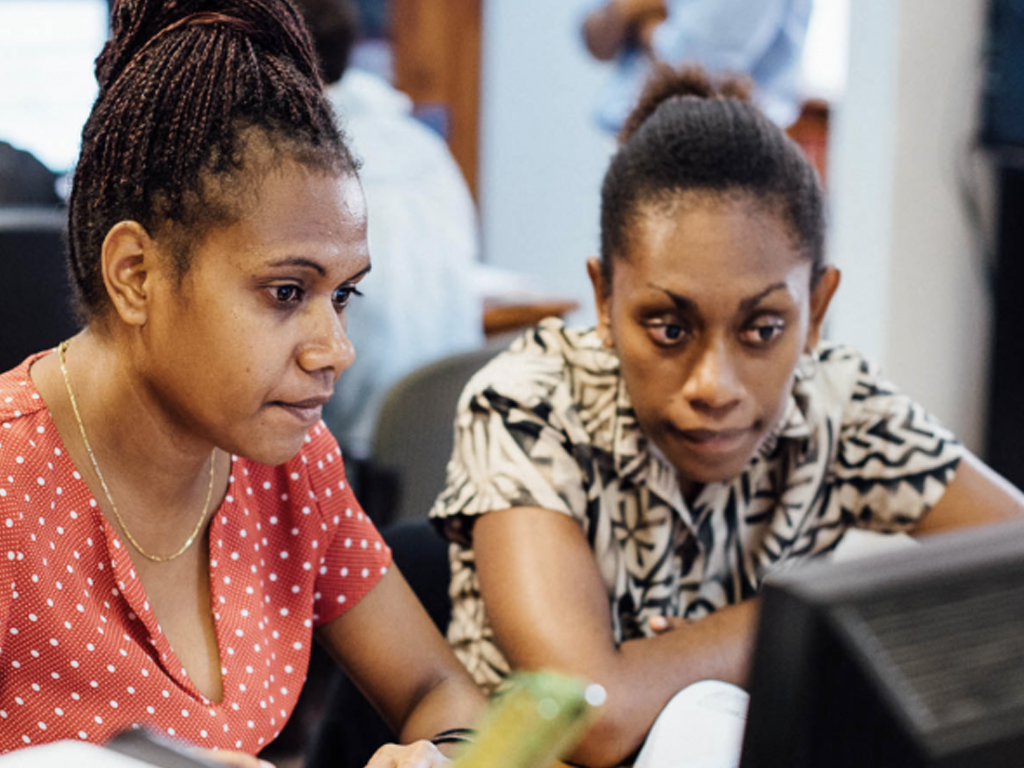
[(81, 428)]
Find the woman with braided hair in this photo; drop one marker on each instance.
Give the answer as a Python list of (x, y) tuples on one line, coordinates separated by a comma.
[(175, 523), (617, 495)]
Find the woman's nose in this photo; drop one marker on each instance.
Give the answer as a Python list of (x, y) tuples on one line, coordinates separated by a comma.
[(327, 346), (713, 385)]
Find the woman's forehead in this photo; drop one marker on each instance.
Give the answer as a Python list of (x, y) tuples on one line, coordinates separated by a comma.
[(713, 240), (296, 213)]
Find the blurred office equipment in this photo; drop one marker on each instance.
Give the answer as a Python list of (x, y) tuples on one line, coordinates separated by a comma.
[(36, 311), (24, 180), (1003, 101), (910, 659), (130, 749), (1003, 134)]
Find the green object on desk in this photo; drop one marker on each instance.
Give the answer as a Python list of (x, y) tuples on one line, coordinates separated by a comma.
[(532, 724)]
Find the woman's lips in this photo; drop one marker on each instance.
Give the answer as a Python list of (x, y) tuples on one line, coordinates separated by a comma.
[(715, 440), (307, 411)]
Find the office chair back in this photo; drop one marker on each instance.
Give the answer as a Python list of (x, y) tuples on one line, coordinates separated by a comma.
[(35, 312), (414, 433)]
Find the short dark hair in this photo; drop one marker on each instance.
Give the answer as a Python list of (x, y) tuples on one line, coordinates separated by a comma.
[(689, 134), (185, 86), (334, 25)]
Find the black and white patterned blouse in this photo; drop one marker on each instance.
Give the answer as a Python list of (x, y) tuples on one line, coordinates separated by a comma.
[(549, 424)]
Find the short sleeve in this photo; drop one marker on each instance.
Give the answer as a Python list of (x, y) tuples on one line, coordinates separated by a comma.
[(356, 556), (894, 460), (517, 443)]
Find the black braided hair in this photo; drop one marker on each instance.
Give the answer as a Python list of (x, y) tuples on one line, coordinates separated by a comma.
[(185, 87), (690, 135)]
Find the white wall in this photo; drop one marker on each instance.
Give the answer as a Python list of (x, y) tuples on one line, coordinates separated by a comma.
[(913, 294), (542, 158)]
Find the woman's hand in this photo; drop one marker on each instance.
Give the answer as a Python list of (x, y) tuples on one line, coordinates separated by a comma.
[(419, 754), (234, 759), (608, 28), (645, 26), (661, 624)]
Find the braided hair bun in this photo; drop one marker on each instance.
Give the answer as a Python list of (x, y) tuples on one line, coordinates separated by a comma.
[(275, 27), (692, 135), (666, 83)]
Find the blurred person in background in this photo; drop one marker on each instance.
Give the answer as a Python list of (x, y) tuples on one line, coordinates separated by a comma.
[(419, 305), (761, 39)]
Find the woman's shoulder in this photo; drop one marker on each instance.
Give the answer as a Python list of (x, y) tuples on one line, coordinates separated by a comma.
[(545, 358), (866, 407), (27, 437), (19, 397), (838, 376)]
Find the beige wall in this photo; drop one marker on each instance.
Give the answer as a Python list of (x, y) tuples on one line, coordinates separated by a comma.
[(913, 295)]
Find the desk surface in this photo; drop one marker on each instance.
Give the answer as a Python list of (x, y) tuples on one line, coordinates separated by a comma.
[(501, 317)]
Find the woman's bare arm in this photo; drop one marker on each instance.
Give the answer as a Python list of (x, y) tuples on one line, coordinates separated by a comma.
[(606, 29), (978, 495), (392, 651), (549, 608)]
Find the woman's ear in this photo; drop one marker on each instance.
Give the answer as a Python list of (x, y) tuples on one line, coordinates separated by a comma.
[(602, 300), (821, 297), (128, 261)]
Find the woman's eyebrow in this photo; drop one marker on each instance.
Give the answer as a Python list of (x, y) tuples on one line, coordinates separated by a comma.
[(750, 302), (360, 273), (682, 303), (300, 261), (687, 304)]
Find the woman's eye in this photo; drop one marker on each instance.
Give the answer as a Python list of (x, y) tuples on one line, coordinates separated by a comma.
[(667, 334), (763, 332), (287, 294), (343, 295)]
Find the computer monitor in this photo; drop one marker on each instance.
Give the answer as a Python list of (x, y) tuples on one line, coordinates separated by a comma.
[(911, 659)]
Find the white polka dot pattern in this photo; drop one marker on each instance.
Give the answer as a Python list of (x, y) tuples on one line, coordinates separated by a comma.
[(82, 655)]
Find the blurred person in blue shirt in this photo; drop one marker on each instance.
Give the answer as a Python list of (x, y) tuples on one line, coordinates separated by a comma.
[(419, 304), (762, 39)]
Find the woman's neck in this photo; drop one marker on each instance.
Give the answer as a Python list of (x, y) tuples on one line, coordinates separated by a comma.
[(156, 472)]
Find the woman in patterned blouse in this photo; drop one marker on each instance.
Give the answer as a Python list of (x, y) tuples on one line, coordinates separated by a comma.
[(617, 496), (175, 523)]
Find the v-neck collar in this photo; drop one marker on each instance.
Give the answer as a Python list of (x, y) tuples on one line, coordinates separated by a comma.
[(129, 585)]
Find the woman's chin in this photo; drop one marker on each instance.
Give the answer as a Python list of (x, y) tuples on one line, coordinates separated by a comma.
[(272, 452), (708, 467)]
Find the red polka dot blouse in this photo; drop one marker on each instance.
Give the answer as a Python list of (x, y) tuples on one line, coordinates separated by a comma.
[(81, 653)]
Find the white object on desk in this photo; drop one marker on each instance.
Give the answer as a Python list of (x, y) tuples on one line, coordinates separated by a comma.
[(701, 727), (61, 754)]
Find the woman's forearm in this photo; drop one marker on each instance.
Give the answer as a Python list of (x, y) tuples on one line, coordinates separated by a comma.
[(606, 30), (645, 674), (453, 704)]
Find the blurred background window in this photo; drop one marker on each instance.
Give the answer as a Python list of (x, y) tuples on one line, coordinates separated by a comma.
[(47, 49)]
